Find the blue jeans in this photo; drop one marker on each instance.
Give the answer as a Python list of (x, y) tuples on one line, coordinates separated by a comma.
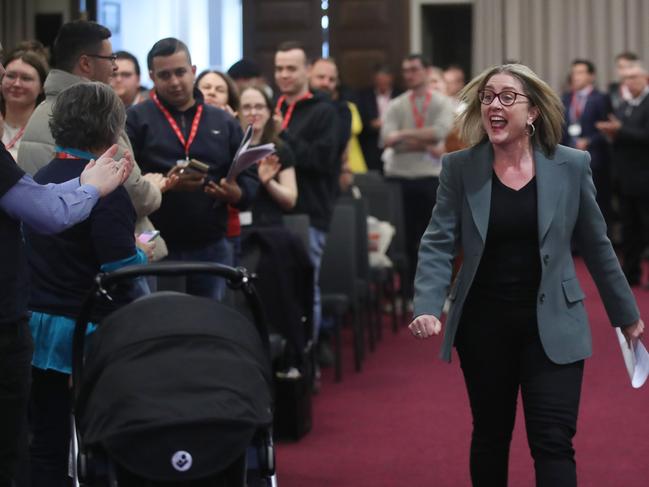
[(201, 284), (317, 239)]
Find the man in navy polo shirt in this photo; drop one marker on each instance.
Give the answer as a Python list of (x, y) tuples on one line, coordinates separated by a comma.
[(176, 125)]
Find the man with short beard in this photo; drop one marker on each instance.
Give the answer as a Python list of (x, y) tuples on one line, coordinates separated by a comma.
[(323, 77), (175, 126), (309, 124)]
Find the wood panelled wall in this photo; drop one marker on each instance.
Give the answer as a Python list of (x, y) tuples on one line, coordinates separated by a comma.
[(16, 21), (365, 33), (268, 23)]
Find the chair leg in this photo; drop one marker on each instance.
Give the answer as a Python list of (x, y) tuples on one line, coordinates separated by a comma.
[(359, 345), (378, 310), (393, 295), (369, 324), (338, 362), (402, 291)]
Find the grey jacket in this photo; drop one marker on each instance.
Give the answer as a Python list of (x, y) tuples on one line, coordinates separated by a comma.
[(566, 209), (37, 149)]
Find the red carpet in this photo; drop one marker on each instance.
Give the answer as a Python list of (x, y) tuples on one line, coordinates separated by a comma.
[(405, 421)]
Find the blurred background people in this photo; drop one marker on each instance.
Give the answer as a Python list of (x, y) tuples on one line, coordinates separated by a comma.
[(629, 131), (219, 90), (617, 90), (246, 72), (584, 106), (372, 104), (414, 121), (22, 90), (454, 80), (436, 80), (325, 78), (126, 79)]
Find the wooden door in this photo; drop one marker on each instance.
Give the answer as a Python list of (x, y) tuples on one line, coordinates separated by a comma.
[(268, 23), (364, 33)]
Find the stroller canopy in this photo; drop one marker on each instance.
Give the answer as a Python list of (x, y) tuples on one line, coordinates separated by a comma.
[(174, 386)]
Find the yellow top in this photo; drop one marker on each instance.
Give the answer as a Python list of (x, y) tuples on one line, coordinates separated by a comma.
[(356, 160)]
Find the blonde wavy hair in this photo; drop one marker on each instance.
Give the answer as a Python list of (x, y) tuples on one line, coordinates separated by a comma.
[(548, 124)]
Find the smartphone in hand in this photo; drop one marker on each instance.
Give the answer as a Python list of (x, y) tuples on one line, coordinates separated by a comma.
[(148, 236)]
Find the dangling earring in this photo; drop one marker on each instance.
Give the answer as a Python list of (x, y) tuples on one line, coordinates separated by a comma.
[(530, 130)]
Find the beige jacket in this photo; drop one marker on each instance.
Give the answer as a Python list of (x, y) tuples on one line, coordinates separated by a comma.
[(37, 149)]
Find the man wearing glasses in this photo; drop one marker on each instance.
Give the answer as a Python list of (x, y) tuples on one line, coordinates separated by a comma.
[(82, 52), (126, 80)]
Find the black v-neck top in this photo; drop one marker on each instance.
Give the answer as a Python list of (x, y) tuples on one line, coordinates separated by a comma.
[(510, 268)]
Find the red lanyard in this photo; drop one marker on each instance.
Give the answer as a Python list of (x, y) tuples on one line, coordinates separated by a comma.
[(420, 117), (578, 103), (16, 138), (174, 126), (286, 119), (65, 155)]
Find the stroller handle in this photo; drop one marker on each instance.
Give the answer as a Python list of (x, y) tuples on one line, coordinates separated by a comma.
[(237, 278)]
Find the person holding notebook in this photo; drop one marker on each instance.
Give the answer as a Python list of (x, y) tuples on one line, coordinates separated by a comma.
[(176, 125)]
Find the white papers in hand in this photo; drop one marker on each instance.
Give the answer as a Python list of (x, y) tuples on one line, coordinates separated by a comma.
[(246, 156), (636, 360)]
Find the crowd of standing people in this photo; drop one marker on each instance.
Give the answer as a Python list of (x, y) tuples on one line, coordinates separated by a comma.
[(92, 162)]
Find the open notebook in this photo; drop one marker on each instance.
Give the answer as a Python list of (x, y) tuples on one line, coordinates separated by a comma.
[(246, 156)]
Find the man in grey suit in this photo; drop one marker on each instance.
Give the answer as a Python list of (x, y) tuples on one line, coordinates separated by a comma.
[(629, 132), (512, 203)]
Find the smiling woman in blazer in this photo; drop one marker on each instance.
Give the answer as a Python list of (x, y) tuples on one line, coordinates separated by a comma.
[(513, 202)]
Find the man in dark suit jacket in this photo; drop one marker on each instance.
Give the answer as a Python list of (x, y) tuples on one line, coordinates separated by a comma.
[(372, 104), (585, 106), (629, 130)]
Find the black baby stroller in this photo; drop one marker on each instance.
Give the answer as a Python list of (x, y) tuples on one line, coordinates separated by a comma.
[(172, 389)]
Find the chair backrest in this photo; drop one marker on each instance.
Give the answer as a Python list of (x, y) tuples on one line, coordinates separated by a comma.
[(378, 196), (384, 201), (338, 269), (398, 245), (362, 248), (368, 177), (299, 225)]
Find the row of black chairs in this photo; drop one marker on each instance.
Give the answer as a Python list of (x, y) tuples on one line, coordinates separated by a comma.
[(354, 291)]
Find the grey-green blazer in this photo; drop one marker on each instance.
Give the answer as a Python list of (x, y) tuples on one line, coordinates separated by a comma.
[(566, 208)]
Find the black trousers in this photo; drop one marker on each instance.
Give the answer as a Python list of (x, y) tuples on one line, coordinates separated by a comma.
[(419, 196), (16, 349), (635, 234), (51, 428), (500, 352)]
